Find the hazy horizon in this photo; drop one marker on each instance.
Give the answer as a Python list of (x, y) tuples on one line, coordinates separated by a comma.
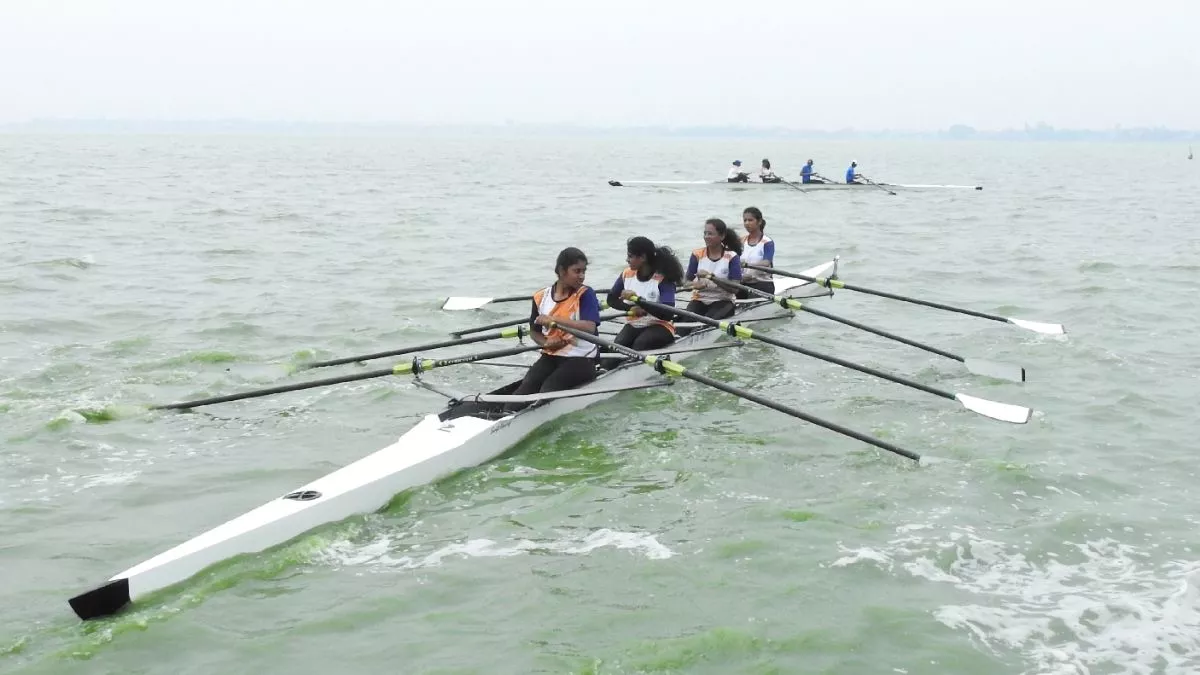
[(867, 65)]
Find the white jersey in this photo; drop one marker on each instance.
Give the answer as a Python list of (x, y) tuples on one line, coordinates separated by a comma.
[(734, 171), (728, 266), (757, 254), (650, 289)]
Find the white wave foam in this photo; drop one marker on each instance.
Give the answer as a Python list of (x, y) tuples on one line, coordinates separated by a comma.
[(1101, 606), (379, 552)]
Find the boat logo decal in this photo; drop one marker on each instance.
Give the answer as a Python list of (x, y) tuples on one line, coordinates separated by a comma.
[(303, 495)]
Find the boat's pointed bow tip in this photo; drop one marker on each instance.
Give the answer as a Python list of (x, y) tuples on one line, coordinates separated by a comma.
[(103, 601)]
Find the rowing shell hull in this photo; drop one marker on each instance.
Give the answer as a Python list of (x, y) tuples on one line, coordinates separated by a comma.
[(439, 445), (786, 185)]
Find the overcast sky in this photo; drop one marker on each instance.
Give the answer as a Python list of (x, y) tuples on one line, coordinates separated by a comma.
[(817, 64)]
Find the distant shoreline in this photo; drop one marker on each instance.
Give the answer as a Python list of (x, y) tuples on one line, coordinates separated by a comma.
[(1040, 132)]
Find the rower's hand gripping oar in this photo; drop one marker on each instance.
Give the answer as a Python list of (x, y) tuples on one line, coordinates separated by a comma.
[(513, 332), (1004, 412), (414, 367), (668, 367), (1035, 326), (982, 367), (458, 334)]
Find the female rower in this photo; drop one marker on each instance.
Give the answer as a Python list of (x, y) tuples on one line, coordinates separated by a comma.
[(719, 259), (566, 361), (766, 175), (758, 249), (653, 274)]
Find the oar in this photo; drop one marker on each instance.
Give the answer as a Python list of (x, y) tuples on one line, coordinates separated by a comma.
[(459, 303), (871, 182), (1035, 326), (983, 367), (515, 331), (666, 366), (1004, 412), (414, 367), (520, 320)]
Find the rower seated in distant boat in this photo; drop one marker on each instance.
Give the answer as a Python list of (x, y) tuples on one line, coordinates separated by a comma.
[(566, 362), (653, 274), (757, 249), (808, 174), (766, 175), (736, 175), (721, 259), (852, 176)]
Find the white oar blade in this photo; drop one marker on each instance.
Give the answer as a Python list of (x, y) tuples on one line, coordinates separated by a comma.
[(1038, 326), (458, 304), (995, 369), (1005, 412)]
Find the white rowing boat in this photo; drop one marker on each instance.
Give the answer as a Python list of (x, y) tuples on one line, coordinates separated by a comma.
[(470, 431), (787, 185)]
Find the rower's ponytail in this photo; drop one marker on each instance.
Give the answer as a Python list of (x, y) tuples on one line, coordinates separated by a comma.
[(667, 264), (661, 258)]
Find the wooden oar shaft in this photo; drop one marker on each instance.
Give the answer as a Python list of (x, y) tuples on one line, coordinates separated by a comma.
[(834, 283), (401, 369), (666, 366)]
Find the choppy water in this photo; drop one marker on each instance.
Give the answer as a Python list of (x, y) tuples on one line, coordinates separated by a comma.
[(673, 530)]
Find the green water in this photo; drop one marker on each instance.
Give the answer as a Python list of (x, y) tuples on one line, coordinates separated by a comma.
[(666, 531)]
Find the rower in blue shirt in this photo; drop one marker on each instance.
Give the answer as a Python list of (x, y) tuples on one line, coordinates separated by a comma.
[(808, 174), (851, 175)]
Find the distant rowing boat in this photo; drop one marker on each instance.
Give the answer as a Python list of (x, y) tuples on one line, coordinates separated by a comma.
[(785, 184)]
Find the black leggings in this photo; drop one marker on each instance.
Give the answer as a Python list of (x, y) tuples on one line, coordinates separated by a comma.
[(555, 373), (654, 336), (767, 286), (721, 309)]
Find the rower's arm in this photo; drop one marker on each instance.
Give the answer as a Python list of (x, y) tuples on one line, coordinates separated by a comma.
[(614, 295), (769, 254), (589, 314), (735, 268), (666, 296), (535, 331), (693, 265)]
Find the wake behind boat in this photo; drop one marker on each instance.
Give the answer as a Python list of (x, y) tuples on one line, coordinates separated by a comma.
[(472, 430), (785, 185)]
